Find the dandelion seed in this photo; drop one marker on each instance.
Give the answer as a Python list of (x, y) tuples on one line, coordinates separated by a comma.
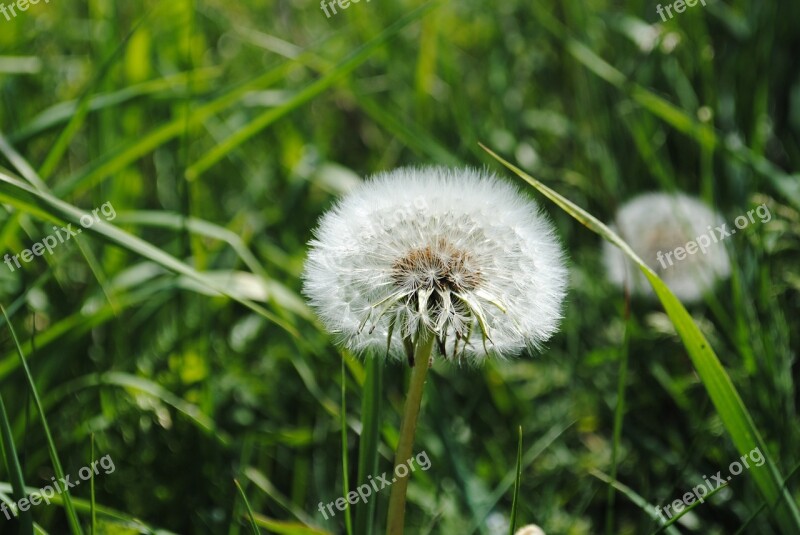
[(457, 252), (654, 224)]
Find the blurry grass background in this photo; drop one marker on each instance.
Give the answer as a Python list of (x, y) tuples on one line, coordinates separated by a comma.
[(220, 131)]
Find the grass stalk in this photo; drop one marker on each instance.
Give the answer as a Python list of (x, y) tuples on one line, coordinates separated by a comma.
[(72, 515)]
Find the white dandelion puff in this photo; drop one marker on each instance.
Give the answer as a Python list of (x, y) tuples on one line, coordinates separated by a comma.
[(530, 529), (655, 225), (457, 252)]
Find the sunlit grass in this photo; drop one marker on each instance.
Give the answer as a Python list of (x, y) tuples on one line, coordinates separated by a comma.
[(177, 336)]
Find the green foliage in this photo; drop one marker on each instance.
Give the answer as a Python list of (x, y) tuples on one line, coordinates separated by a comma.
[(176, 333)]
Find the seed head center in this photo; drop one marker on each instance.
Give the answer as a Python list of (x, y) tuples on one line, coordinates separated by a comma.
[(439, 267)]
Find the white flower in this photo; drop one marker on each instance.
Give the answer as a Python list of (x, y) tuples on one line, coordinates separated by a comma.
[(455, 251), (655, 225)]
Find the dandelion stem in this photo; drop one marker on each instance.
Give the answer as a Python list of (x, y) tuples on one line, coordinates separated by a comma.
[(397, 499)]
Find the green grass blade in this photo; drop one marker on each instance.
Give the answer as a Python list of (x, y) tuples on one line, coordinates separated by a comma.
[(263, 483), (371, 407), (105, 513), (686, 510), (27, 171), (72, 515), (415, 138), (678, 119), (174, 221), (283, 297), (517, 483), (14, 468), (619, 413), (480, 514), (640, 502), (726, 399), (62, 143), (150, 388), (21, 164), (93, 504), (358, 57), (159, 88), (250, 514), (743, 529), (74, 324), (348, 522), (131, 243), (124, 156), (201, 227), (408, 132), (279, 527)]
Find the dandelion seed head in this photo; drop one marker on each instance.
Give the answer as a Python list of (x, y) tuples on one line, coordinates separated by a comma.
[(530, 529), (655, 223), (458, 252)]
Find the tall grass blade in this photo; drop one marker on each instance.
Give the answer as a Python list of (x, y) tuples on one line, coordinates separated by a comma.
[(703, 134), (517, 483), (72, 515), (14, 469), (92, 502), (129, 242), (726, 399), (371, 407), (348, 522), (250, 514), (640, 502), (104, 513), (358, 57), (619, 414)]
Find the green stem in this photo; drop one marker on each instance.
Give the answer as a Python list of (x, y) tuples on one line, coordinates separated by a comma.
[(397, 499), (9, 452)]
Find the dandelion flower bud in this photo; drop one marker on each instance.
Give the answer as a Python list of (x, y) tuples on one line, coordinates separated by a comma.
[(457, 252), (676, 236)]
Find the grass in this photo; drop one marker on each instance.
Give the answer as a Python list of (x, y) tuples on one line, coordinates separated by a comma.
[(177, 336)]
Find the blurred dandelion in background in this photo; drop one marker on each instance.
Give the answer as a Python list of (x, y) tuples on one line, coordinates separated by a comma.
[(657, 224)]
